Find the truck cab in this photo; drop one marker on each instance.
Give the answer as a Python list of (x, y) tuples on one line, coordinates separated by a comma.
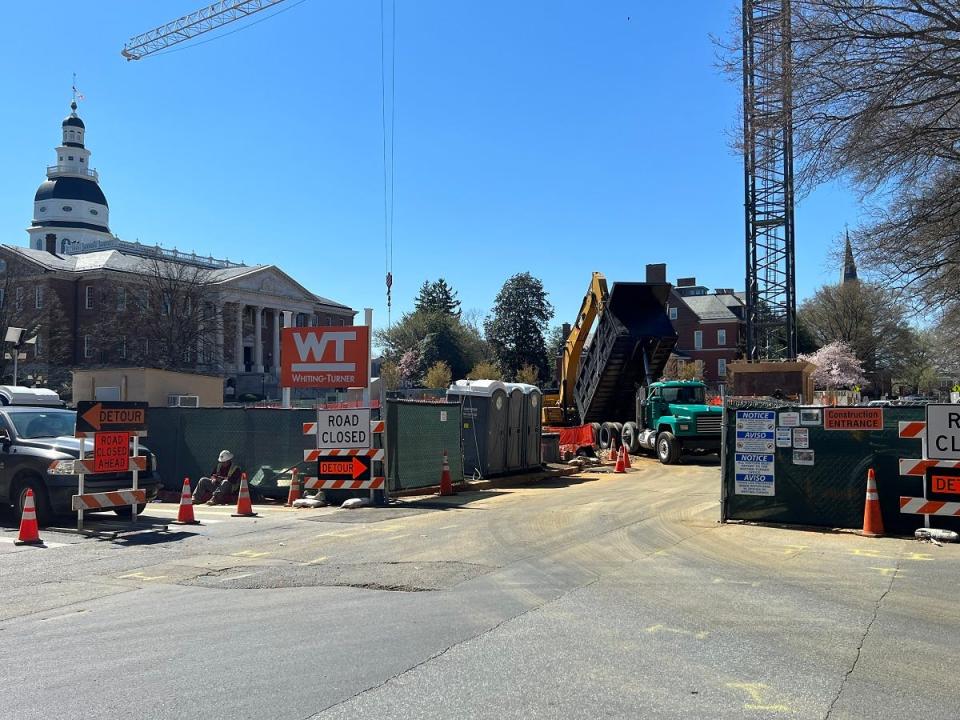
[(675, 418)]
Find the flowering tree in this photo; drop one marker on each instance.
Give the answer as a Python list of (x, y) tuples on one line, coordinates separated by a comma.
[(837, 366)]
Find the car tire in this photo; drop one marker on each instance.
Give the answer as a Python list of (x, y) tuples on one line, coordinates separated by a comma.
[(124, 510), (668, 449), (41, 500)]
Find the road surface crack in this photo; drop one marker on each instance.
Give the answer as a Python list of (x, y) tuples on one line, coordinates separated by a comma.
[(863, 638)]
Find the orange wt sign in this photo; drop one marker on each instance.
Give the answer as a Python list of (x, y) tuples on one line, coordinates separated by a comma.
[(325, 357)]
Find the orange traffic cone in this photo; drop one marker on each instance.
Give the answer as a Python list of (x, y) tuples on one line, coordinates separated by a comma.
[(620, 465), (446, 486), (626, 457), (244, 506), (29, 530), (185, 512), (294, 492), (614, 453), (872, 520)]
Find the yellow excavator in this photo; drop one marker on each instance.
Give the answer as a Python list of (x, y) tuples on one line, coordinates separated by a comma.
[(560, 409)]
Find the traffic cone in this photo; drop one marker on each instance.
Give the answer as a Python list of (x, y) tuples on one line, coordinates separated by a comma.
[(614, 453), (294, 492), (29, 530), (620, 466), (446, 486), (626, 457), (244, 506), (185, 512), (872, 520)]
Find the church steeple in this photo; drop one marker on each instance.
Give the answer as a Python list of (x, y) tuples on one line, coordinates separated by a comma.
[(849, 266)]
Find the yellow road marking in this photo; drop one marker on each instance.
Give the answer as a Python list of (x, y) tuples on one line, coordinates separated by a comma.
[(754, 583), (757, 693), (919, 556), (140, 576), (870, 554), (249, 554), (702, 635), (885, 571), (794, 549), (317, 560)]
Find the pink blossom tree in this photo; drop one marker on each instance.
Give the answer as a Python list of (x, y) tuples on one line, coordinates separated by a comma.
[(836, 366)]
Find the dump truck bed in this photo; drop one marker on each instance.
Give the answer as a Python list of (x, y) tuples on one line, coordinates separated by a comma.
[(630, 348)]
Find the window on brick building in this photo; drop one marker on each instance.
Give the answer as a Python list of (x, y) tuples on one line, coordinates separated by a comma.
[(673, 313), (721, 367), (721, 338), (19, 301), (88, 297), (38, 297), (121, 298), (698, 339), (38, 346), (123, 347), (87, 346)]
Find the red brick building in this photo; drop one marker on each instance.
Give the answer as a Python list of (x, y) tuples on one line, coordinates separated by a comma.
[(710, 327)]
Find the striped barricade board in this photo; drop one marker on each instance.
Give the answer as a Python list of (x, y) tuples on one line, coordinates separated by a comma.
[(920, 506), (117, 498), (312, 483), (375, 454)]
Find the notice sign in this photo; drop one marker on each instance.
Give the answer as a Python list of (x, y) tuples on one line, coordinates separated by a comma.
[(790, 419), (853, 418), (325, 357), (801, 437), (784, 438), (347, 429), (111, 452), (753, 474), (757, 420), (943, 432)]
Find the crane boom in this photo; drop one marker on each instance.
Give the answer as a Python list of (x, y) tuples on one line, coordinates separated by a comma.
[(189, 26)]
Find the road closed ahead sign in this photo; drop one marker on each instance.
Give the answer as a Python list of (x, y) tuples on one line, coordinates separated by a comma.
[(943, 432), (325, 357)]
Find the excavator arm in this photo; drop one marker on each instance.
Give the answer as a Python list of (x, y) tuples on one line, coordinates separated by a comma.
[(564, 410)]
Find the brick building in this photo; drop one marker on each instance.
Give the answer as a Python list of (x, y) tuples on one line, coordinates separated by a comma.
[(94, 300), (710, 327)]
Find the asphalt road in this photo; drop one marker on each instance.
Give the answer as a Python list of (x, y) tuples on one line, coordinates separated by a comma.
[(598, 596)]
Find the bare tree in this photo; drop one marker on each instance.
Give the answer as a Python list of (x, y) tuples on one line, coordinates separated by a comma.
[(876, 100)]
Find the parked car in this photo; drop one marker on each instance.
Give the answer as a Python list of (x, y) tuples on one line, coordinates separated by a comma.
[(31, 439), (38, 397)]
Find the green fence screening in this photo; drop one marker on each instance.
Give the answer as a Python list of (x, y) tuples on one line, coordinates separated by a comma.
[(188, 440), (830, 491), (417, 435)]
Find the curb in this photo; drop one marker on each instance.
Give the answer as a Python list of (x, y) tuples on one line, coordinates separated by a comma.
[(508, 481)]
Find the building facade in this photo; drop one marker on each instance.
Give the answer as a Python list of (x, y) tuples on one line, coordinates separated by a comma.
[(93, 300), (710, 327)]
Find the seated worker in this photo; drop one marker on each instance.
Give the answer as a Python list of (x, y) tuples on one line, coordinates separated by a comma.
[(222, 485)]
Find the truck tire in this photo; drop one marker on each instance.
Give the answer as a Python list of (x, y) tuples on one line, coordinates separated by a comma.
[(124, 510), (596, 433), (630, 435), (668, 449), (609, 435), (41, 500)]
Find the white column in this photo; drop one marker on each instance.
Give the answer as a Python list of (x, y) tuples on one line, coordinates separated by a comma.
[(276, 342), (238, 342), (218, 359), (258, 339)]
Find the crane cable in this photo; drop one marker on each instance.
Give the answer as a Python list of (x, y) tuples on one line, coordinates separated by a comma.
[(388, 176)]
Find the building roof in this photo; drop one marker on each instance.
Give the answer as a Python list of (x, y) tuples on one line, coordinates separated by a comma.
[(710, 307), (71, 188)]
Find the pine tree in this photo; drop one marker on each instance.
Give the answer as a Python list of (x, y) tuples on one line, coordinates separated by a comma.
[(437, 297), (515, 332)]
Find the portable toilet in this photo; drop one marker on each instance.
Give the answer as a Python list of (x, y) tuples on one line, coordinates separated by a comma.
[(530, 425), (484, 430), (516, 434)]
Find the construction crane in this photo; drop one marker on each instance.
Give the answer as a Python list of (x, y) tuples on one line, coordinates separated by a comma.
[(189, 26)]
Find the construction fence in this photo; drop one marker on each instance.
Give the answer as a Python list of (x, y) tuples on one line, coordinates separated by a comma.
[(187, 441), (813, 475)]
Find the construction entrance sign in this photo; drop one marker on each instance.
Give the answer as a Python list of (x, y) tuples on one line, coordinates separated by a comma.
[(325, 357)]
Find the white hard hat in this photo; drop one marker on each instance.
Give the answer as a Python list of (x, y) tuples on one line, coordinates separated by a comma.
[(225, 455)]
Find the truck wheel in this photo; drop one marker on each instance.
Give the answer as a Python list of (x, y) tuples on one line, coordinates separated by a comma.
[(630, 435), (668, 449), (124, 510), (41, 500), (609, 435), (596, 433)]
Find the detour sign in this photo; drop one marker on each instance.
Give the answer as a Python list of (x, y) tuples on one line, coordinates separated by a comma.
[(94, 417)]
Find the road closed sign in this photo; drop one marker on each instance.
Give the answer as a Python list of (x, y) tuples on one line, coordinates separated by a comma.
[(111, 452), (943, 432), (343, 429), (325, 357)]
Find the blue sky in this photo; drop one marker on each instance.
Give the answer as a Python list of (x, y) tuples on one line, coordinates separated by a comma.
[(552, 137)]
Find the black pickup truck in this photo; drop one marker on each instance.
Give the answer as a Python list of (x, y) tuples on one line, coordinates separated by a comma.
[(33, 438)]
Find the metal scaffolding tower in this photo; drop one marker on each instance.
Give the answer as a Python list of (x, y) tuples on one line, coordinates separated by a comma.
[(768, 174)]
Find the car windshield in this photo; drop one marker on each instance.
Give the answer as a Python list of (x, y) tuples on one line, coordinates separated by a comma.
[(44, 423), (690, 394)]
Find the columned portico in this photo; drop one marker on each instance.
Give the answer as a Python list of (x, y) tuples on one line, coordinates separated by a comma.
[(258, 338)]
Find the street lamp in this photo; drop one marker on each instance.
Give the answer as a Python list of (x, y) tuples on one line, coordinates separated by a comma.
[(16, 336)]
